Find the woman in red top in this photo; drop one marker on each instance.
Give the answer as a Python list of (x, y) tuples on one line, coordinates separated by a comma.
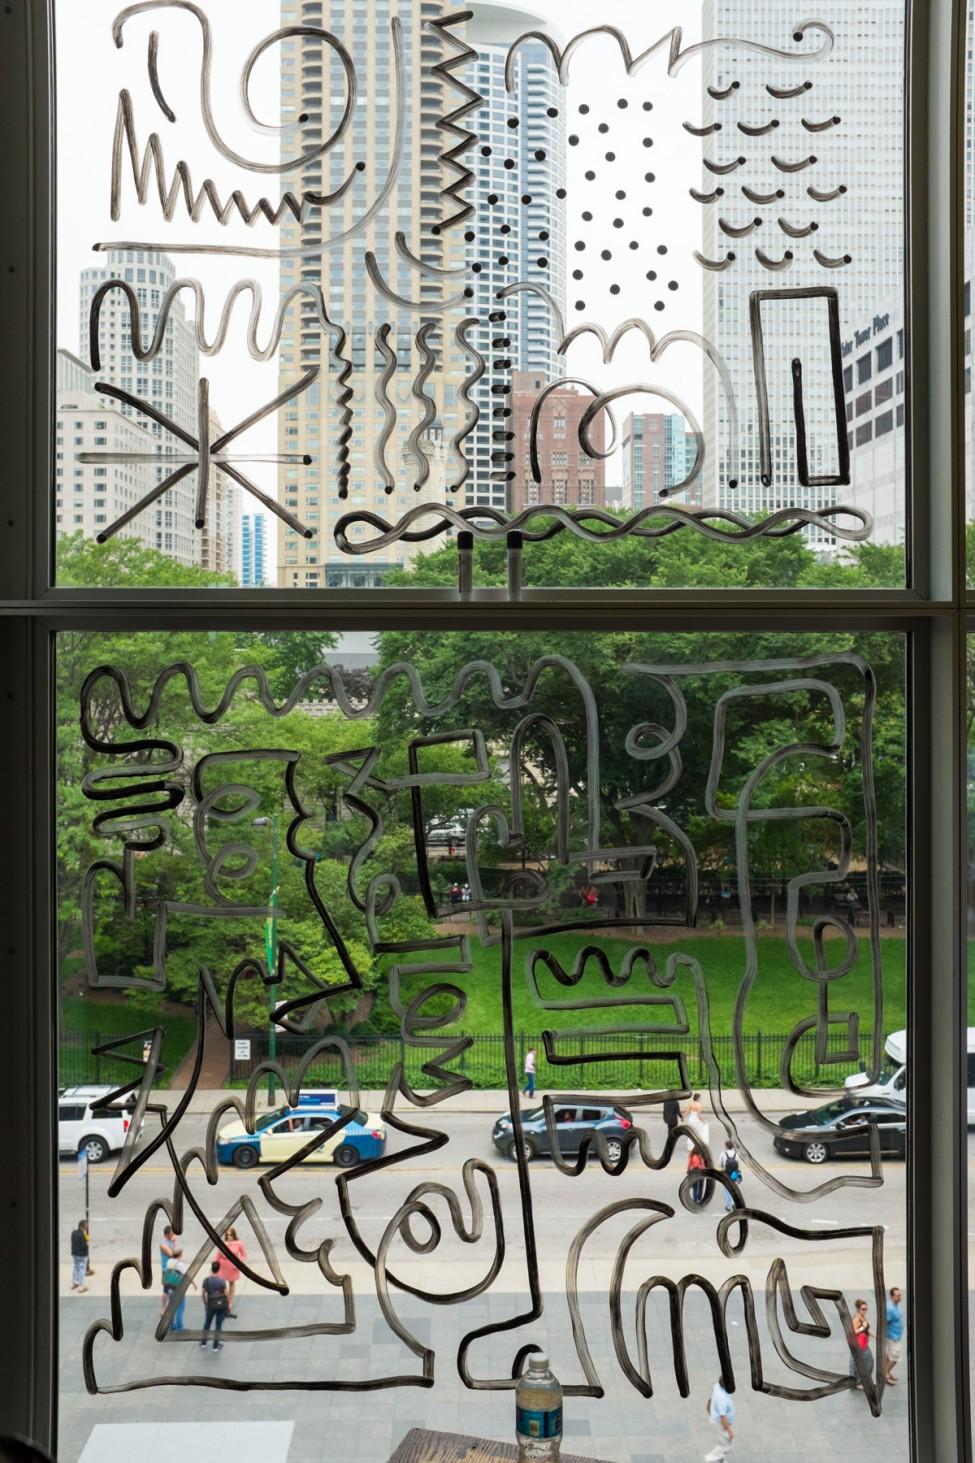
[(227, 1269)]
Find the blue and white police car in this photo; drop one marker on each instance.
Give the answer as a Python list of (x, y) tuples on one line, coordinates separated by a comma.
[(278, 1135)]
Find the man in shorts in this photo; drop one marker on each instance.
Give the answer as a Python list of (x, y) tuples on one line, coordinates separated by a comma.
[(720, 1407), (895, 1334)]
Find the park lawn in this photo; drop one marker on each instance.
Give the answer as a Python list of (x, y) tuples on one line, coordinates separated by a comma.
[(779, 998), (90, 1022)]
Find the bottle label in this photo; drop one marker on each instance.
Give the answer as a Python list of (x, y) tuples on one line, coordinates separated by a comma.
[(530, 1424)]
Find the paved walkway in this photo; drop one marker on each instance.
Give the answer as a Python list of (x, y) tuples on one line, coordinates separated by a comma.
[(365, 1427)]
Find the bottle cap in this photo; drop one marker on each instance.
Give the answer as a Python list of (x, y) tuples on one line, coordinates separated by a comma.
[(538, 1363)]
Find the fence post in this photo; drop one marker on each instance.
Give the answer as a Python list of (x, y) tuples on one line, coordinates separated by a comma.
[(758, 1056), (521, 1053), (98, 1060)]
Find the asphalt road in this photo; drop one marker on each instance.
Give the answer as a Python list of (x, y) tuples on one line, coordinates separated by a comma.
[(562, 1204)]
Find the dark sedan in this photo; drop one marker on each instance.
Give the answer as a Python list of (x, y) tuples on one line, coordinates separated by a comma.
[(841, 1129), (572, 1123)]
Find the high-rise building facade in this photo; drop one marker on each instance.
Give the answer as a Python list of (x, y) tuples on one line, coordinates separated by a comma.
[(253, 549), (851, 155), (658, 455), (567, 473), (168, 382), (349, 247), (520, 237)]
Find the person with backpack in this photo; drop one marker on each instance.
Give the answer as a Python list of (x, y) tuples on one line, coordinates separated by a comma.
[(730, 1163), (172, 1279), (216, 1303)]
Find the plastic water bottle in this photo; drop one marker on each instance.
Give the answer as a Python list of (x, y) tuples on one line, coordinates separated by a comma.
[(538, 1414)]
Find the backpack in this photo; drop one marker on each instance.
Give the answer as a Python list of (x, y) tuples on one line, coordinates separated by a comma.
[(171, 1279)]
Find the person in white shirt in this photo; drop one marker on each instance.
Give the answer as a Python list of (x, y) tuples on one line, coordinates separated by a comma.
[(529, 1088), (720, 1407)]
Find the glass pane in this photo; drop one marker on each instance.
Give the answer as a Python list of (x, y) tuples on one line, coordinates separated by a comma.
[(643, 286), (535, 924)]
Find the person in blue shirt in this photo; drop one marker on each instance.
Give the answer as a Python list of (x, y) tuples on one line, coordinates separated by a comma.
[(720, 1407), (895, 1334)]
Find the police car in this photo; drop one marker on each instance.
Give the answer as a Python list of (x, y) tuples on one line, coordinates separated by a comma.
[(278, 1135)]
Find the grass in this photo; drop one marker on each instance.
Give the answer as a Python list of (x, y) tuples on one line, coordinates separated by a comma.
[(92, 1021)]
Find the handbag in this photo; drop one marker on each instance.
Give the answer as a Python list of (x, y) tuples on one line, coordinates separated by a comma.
[(172, 1279)]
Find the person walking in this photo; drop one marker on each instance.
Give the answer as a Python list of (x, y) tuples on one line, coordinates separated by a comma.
[(671, 1114), (529, 1088), (720, 1408), (173, 1278), (167, 1251), (80, 1242), (861, 1343), (694, 1163), (730, 1163), (895, 1334), (227, 1268), (215, 1303)]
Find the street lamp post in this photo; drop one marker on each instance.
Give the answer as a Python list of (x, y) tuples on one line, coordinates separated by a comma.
[(271, 943)]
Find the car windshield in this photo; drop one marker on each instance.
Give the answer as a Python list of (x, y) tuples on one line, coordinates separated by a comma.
[(536, 1115)]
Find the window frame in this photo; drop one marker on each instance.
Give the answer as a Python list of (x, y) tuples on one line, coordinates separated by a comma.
[(934, 611)]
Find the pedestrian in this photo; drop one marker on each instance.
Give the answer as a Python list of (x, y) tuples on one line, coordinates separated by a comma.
[(861, 1343), (173, 1278), (694, 1163), (694, 1108), (895, 1334), (589, 896), (720, 1407), (215, 1304), (227, 1268), (465, 894), (455, 893), (530, 1072), (671, 1113), (80, 1241), (729, 1163), (167, 1250)]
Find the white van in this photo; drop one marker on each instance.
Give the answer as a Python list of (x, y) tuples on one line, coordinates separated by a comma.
[(893, 1077)]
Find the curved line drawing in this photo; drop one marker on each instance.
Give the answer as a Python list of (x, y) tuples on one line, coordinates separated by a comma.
[(776, 264), (761, 130), (784, 93), (721, 94), (164, 106), (797, 231), (830, 263), (307, 251), (724, 263), (643, 389), (784, 167), (529, 287), (536, 413), (821, 126), (452, 156), (472, 412), (388, 354), (492, 523), (704, 131), (423, 265), (828, 195), (428, 361), (206, 109), (722, 168), (739, 231), (427, 306), (673, 40), (706, 197), (754, 197), (206, 347)]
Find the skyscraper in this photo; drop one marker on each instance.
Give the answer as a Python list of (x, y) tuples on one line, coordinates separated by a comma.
[(348, 245), (520, 154), (821, 169), (658, 455), (168, 383), (252, 550)]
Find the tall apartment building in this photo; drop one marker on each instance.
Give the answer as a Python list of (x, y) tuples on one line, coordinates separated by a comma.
[(357, 168), (89, 496), (219, 535), (169, 383), (253, 563), (520, 154), (855, 102), (568, 474), (658, 454)]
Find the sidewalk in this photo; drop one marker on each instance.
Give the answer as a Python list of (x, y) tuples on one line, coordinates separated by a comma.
[(495, 1100)]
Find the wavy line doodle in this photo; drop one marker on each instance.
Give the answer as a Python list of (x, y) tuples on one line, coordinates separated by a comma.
[(388, 354), (428, 363)]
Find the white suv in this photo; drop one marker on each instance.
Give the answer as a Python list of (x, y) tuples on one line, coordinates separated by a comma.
[(79, 1129)]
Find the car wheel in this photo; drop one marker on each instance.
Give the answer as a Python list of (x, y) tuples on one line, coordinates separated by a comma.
[(527, 1148), (245, 1156), (347, 1156), (614, 1150), (815, 1153), (94, 1148)]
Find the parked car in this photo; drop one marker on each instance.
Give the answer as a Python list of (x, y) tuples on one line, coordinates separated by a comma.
[(280, 1134), (841, 1129), (892, 1078), (97, 1133), (573, 1123)]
